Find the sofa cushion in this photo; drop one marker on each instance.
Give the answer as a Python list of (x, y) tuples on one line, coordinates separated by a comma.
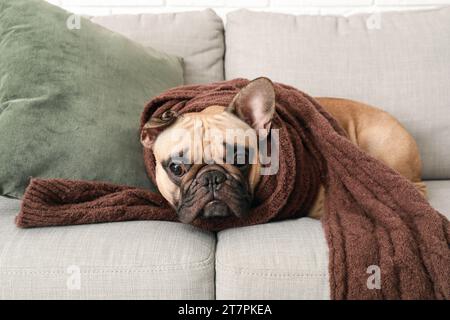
[(9, 206), (126, 260), (439, 196), (197, 37), (285, 260), (397, 61), (279, 260)]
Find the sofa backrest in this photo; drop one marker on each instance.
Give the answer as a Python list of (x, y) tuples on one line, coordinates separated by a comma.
[(197, 37), (399, 62)]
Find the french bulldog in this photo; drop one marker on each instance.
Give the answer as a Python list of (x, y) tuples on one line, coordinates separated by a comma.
[(202, 176)]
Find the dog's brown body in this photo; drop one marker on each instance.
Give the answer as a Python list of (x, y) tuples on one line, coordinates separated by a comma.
[(207, 188), (379, 134)]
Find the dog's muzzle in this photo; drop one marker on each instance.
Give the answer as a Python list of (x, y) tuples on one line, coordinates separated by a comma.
[(213, 180), (214, 193)]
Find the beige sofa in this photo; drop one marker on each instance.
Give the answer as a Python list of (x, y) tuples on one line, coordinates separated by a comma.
[(396, 61)]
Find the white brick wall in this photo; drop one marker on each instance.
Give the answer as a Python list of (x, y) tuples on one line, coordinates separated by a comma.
[(340, 7)]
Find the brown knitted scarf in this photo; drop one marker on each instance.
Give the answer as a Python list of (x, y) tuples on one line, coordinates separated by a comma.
[(374, 216)]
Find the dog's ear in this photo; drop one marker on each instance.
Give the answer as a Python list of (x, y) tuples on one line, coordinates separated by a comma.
[(155, 126), (255, 104)]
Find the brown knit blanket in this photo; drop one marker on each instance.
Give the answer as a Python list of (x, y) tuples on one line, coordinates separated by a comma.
[(374, 216)]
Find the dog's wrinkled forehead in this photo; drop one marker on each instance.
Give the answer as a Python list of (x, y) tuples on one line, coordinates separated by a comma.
[(203, 137)]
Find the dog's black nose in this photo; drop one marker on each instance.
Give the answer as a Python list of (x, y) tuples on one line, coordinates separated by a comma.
[(213, 177)]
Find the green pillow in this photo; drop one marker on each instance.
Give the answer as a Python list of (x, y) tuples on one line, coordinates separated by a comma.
[(70, 99)]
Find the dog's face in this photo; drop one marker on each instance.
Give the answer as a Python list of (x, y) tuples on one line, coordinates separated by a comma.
[(207, 162)]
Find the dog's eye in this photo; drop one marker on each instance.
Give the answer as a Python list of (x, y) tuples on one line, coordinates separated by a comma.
[(176, 169)]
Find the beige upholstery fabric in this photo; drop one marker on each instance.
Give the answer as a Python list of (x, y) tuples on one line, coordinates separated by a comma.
[(197, 37), (285, 260), (9, 206), (281, 260), (439, 196), (400, 64), (129, 260)]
